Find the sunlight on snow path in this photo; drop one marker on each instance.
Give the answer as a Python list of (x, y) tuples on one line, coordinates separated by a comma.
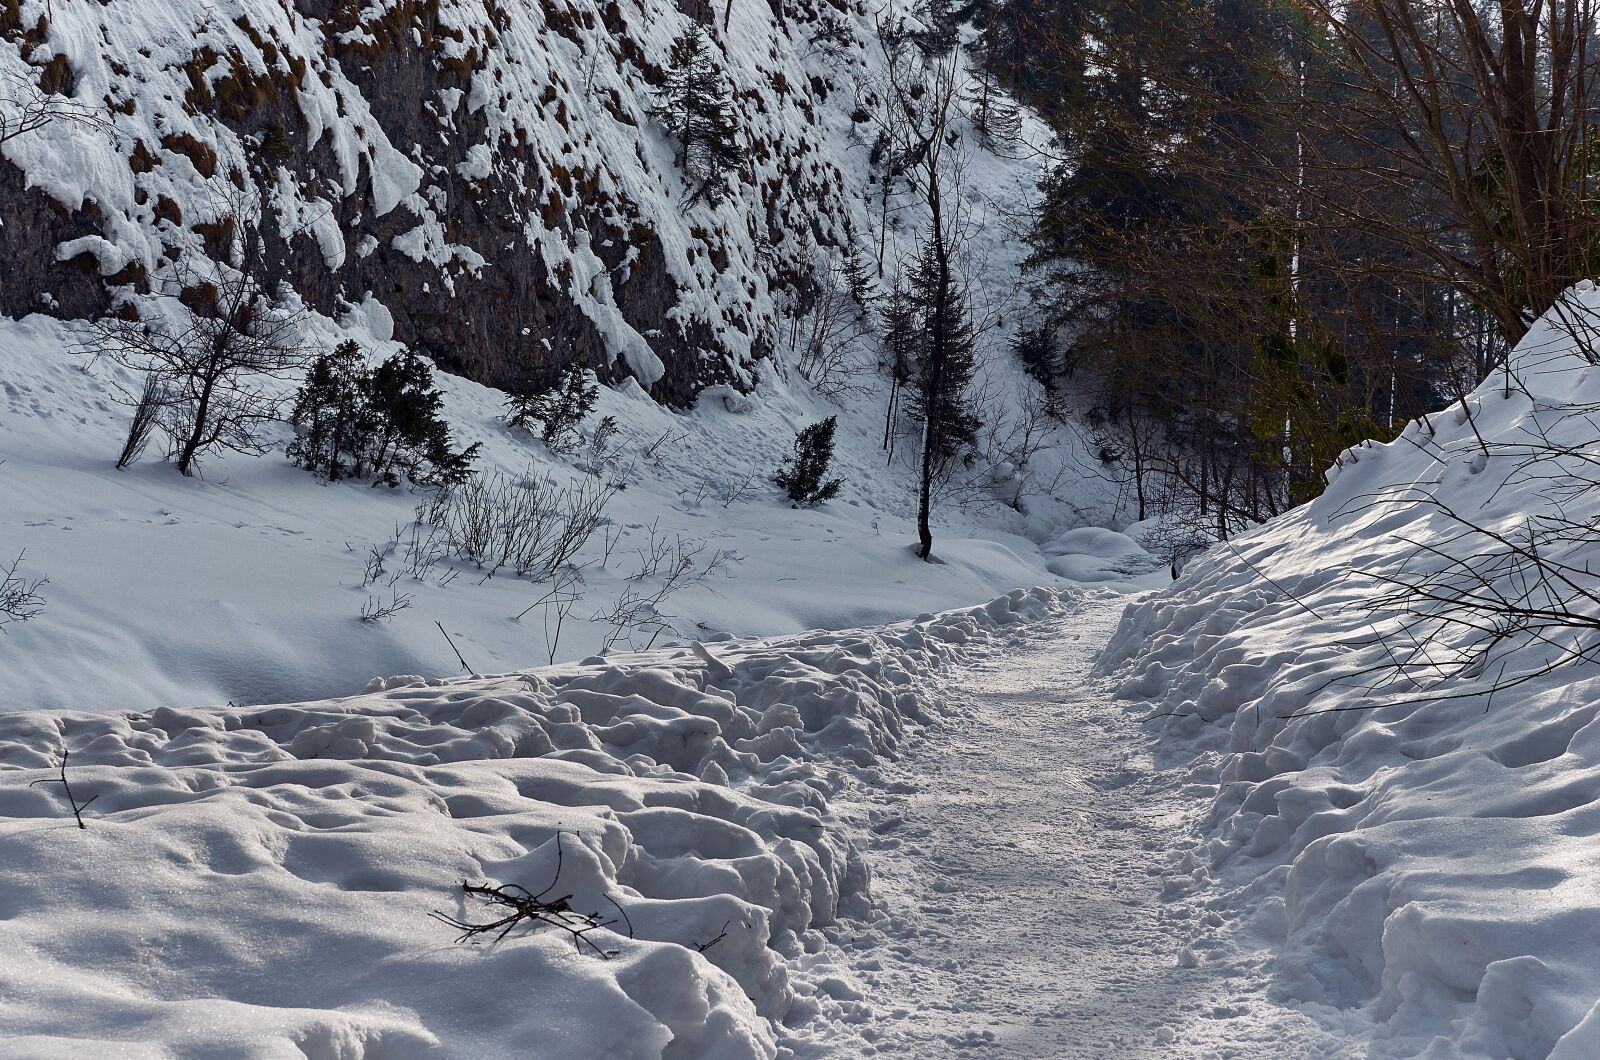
[(1017, 855)]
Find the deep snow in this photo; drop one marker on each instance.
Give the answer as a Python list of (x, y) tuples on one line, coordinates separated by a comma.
[(254, 881), (245, 585), (1422, 868)]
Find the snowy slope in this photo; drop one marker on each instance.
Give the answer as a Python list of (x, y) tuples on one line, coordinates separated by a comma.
[(256, 881), (246, 584), (171, 592), (1422, 867)]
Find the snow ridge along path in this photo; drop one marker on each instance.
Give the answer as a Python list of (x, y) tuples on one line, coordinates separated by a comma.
[(1018, 850)]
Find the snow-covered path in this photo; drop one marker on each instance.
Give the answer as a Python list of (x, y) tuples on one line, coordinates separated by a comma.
[(1017, 855)]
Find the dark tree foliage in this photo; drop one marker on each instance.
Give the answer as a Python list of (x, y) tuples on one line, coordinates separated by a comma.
[(900, 326), (558, 412), (384, 423), (944, 359), (695, 105), (804, 476), (1038, 347)]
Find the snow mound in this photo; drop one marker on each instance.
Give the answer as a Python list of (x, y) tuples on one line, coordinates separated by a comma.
[(1095, 555), (1420, 852), (256, 880)]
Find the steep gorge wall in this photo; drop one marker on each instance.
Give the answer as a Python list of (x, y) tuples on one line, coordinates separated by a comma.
[(488, 170)]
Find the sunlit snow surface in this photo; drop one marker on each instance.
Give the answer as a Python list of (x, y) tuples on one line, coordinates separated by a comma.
[(259, 879), (1427, 869)]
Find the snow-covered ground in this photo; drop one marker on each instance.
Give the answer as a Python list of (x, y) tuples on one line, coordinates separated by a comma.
[(246, 584), (1019, 853), (1418, 852), (254, 881)]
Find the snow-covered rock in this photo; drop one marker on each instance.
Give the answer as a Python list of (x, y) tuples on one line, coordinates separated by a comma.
[(495, 167)]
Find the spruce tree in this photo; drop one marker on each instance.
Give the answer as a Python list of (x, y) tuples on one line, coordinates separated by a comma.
[(386, 422), (1038, 347), (413, 437), (804, 476), (559, 411), (946, 361), (696, 106)]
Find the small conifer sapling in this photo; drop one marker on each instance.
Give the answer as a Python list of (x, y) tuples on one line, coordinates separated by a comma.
[(559, 412), (804, 476)]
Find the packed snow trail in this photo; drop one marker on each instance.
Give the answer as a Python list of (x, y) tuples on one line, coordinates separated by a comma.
[(1017, 853)]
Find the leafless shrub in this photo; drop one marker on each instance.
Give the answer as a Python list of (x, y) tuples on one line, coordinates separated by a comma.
[(72, 800), (531, 526), (827, 339), (24, 108), (146, 415), (603, 449), (556, 604), (20, 600), (376, 609), (1478, 598), (669, 439), (674, 564), (520, 907)]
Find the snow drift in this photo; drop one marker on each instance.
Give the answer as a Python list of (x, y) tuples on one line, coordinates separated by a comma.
[(257, 879), (1420, 851)]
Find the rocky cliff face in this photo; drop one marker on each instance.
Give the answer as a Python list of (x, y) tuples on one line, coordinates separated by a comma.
[(488, 170)]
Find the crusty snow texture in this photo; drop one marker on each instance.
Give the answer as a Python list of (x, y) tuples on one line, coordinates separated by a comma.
[(1424, 869), (255, 880)]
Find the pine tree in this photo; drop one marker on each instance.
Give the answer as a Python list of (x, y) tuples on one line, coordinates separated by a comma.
[(804, 476), (559, 411), (695, 105), (412, 436)]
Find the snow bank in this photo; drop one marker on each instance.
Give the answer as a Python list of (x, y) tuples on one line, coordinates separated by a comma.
[(1421, 865), (255, 880)]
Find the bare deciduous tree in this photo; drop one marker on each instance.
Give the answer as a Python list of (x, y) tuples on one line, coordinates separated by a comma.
[(213, 353)]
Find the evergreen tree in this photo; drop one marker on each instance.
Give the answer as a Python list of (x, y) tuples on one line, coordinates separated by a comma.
[(559, 411), (804, 476), (945, 361), (334, 420), (696, 106), (353, 422), (1038, 347), (995, 119), (412, 436)]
